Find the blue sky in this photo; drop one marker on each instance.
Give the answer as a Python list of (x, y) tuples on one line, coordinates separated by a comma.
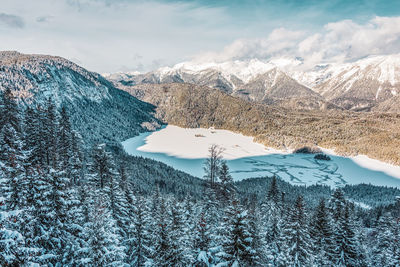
[(122, 35)]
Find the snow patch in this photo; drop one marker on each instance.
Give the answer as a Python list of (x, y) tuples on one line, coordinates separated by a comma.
[(194, 143)]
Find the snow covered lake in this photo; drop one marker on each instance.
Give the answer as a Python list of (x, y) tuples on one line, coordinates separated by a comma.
[(186, 150)]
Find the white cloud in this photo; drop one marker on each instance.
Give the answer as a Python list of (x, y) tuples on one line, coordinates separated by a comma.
[(12, 21), (337, 42), (113, 35), (108, 36), (279, 40)]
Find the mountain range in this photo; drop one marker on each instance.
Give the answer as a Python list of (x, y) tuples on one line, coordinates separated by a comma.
[(369, 84), (288, 114)]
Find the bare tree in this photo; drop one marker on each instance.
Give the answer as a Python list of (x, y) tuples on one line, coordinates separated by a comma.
[(213, 164)]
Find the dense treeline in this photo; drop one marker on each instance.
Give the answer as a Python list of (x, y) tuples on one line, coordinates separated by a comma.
[(62, 206)]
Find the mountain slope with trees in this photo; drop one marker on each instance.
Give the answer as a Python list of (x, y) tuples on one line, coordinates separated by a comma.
[(98, 110), (58, 207), (349, 133)]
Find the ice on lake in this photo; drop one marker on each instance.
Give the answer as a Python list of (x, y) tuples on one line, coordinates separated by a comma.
[(186, 150)]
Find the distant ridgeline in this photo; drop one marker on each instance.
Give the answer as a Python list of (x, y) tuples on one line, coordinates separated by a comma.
[(63, 204)]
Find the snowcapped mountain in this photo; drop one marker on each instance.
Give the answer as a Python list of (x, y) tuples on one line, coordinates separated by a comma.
[(362, 84), (359, 85), (252, 80), (98, 110)]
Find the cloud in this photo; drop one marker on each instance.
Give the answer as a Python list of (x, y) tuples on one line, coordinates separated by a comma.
[(278, 40), (44, 19), (104, 34), (107, 34), (340, 41), (12, 21)]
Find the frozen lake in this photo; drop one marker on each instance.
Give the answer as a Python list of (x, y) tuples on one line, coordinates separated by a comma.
[(186, 150)]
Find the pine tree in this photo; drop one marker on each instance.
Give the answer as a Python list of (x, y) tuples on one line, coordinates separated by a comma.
[(104, 248), (202, 238), (139, 241), (39, 229), (396, 235), (226, 183), (10, 111), (73, 253), (33, 139), (2, 110), (273, 191), (346, 250), (12, 154), (60, 206), (188, 237), (119, 205), (337, 204), (161, 236), (101, 167), (254, 228), (76, 161), (322, 235), (237, 240), (176, 238), (271, 224), (385, 247), (296, 235)]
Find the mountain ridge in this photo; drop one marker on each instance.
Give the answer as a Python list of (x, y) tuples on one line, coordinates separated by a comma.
[(360, 86)]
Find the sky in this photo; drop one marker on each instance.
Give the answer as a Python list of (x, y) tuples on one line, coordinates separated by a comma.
[(139, 35)]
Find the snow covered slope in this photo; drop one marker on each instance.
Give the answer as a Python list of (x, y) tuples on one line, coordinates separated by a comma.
[(98, 110), (38, 77), (362, 84)]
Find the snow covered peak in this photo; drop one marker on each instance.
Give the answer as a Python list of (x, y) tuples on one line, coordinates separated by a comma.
[(244, 70), (384, 69)]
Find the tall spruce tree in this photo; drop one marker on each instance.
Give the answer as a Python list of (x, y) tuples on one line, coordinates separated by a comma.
[(161, 236), (321, 232), (104, 244), (346, 243), (296, 235), (226, 184), (177, 241), (139, 241), (237, 239), (384, 249)]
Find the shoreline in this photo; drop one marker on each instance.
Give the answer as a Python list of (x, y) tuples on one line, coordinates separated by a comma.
[(369, 163), (193, 143)]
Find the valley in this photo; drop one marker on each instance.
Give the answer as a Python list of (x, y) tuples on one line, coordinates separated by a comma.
[(177, 133), (376, 135)]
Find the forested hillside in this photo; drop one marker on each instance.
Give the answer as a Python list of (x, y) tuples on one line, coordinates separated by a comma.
[(349, 133), (99, 111), (61, 205)]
